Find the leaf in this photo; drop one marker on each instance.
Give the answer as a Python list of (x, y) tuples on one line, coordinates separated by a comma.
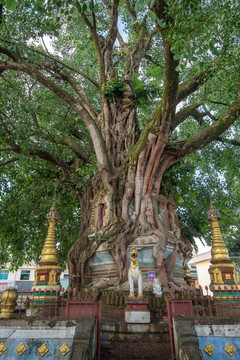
[(176, 57), (161, 23), (152, 3), (152, 15), (214, 50), (96, 8), (143, 2), (11, 4), (84, 7)]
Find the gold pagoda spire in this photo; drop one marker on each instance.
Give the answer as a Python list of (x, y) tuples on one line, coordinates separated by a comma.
[(49, 251), (219, 251)]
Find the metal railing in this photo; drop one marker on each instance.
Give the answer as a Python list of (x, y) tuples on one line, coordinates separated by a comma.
[(60, 305), (191, 302), (222, 301)]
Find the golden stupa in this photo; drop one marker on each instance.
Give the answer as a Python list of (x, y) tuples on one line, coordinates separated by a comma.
[(188, 278), (47, 274), (222, 271)]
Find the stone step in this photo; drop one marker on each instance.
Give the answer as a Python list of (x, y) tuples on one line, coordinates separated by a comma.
[(123, 351), (125, 341), (141, 349)]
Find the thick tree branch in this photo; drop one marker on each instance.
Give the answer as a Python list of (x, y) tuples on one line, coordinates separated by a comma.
[(205, 136), (77, 149), (183, 114), (12, 55), (191, 85), (111, 37), (41, 154), (54, 60), (133, 15), (95, 134), (96, 44), (9, 161)]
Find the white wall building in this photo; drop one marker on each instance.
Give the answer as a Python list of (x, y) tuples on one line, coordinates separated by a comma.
[(23, 278)]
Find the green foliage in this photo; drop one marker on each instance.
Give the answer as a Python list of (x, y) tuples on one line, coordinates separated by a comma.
[(202, 31), (26, 197), (215, 170), (144, 93), (114, 87)]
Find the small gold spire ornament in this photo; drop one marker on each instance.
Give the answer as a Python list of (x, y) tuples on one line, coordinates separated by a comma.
[(21, 349), (222, 271), (188, 278), (47, 274), (219, 250), (49, 251)]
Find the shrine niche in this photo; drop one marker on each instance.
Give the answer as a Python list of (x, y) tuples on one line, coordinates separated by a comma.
[(101, 211), (102, 264), (145, 246), (168, 214), (131, 209), (178, 270)]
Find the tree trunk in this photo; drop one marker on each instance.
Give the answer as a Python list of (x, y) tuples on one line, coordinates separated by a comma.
[(136, 205)]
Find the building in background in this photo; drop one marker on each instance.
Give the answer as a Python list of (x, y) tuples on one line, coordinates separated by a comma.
[(23, 278), (202, 262)]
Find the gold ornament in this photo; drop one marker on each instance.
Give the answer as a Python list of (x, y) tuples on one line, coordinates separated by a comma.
[(21, 349), (230, 349), (219, 250), (8, 303), (3, 348), (110, 336), (209, 349), (217, 276), (134, 337), (48, 261), (121, 337), (49, 251), (52, 278), (43, 349), (134, 258), (64, 349)]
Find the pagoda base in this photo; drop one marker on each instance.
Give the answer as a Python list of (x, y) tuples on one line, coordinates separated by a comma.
[(226, 293), (137, 311), (45, 292)]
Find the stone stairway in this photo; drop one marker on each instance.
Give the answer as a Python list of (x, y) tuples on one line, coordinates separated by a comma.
[(120, 341)]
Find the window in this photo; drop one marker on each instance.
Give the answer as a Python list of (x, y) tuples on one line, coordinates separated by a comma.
[(25, 275), (4, 274), (65, 276)]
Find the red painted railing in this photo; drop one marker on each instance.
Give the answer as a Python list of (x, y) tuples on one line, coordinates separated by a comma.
[(61, 304), (190, 301)]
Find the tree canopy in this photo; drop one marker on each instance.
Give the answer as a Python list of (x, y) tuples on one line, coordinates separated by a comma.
[(89, 89)]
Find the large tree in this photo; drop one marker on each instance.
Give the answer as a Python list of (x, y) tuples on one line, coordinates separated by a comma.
[(125, 90)]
